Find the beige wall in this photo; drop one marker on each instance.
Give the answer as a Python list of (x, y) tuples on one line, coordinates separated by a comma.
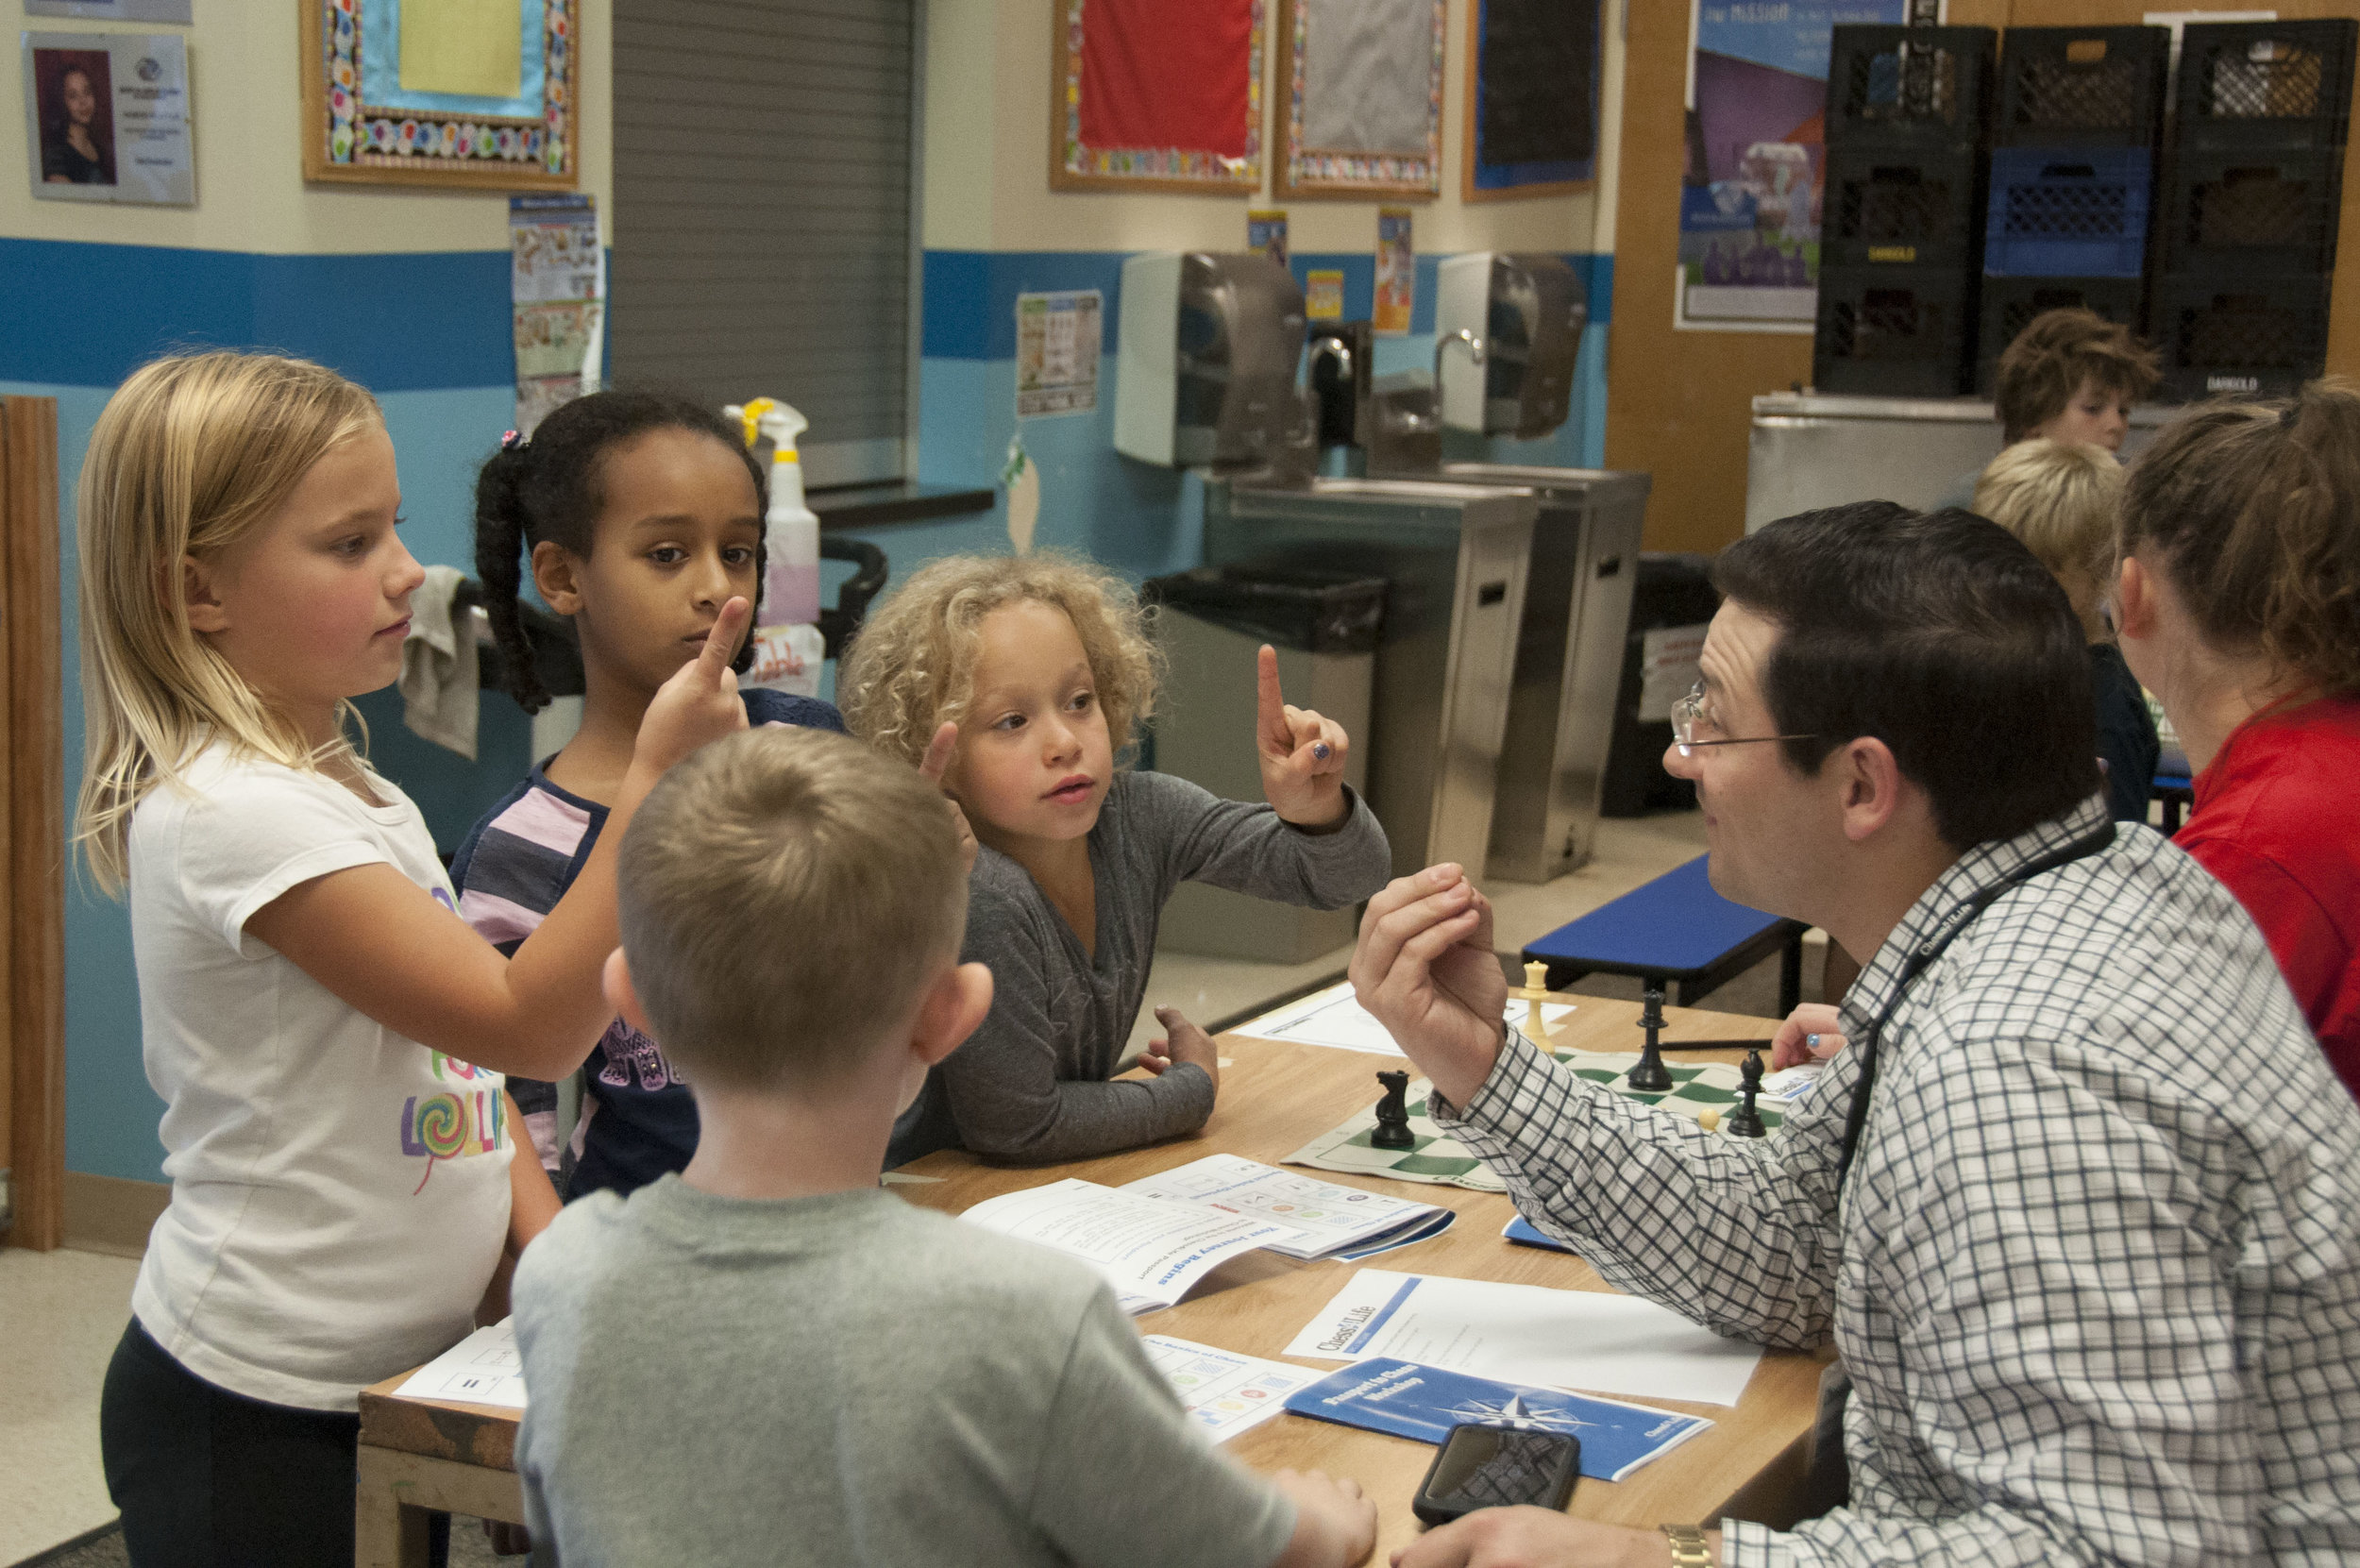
[(986, 160), (246, 95)]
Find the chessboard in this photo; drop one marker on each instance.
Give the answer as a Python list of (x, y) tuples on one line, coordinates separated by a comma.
[(1439, 1160)]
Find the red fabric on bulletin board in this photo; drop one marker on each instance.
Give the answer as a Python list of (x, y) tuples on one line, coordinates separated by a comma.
[(1167, 73), (1158, 92)]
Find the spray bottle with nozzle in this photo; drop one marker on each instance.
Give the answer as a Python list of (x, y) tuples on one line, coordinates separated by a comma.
[(788, 645)]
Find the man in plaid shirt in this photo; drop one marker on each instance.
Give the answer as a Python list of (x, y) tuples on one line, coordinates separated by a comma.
[(2093, 1256)]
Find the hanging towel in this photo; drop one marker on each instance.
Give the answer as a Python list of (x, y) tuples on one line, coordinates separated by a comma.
[(439, 692)]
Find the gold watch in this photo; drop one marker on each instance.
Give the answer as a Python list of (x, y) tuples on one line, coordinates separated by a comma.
[(1688, 1546)]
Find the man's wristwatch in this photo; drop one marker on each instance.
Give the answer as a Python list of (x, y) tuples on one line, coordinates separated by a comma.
[(1688, 1546)]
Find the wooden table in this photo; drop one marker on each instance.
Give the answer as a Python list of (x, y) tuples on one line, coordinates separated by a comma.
[(417, 1454)]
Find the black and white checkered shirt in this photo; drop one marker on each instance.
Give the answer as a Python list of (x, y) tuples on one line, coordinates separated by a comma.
[(2096, 1275)]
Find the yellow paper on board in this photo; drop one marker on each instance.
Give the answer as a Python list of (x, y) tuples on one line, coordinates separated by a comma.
[(470, 46)]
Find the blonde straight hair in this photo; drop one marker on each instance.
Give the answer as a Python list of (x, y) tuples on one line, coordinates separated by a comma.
[(189, 457)]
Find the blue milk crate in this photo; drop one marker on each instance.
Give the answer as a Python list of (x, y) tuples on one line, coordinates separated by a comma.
[(2068, 211)]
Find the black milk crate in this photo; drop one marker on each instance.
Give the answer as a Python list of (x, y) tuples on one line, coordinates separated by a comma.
[(2264, 84), (1920, 86), (2262, 209), (2082, 87), (1895, 331), (1902, 207), (2009, 305), (2238, 333), (2068, 211)]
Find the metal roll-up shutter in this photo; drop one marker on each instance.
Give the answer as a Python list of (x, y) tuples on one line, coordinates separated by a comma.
[(762, 225)]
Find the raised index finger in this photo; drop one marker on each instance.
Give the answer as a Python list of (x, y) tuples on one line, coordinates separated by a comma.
[(720, 647), (939, 751), (1270, 708)]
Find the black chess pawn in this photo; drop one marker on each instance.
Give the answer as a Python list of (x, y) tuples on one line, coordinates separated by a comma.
[(1392, 1115), (1746, 1121), (1651, 1076)]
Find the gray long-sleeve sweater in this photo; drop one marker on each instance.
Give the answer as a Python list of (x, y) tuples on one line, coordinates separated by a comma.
[(1030, 1083)]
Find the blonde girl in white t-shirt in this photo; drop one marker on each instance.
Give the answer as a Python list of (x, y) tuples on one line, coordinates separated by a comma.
[(347, 1186)]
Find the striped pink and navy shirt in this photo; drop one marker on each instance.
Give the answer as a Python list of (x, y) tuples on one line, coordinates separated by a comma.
[(637, 1118)]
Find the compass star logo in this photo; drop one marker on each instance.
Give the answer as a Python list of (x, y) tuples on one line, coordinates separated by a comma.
[(1513, 1413)]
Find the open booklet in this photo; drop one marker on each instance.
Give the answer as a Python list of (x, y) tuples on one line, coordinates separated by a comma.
[(1330, 1219), (1153, 1251)]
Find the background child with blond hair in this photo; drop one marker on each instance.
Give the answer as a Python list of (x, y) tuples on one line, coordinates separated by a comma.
[(2063, 500), (1039, 667), (770, 1359)]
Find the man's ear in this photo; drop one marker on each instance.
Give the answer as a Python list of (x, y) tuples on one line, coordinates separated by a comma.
[(615, 980), (557, 574), (954, 1005), (1872, 786), (206, 615)]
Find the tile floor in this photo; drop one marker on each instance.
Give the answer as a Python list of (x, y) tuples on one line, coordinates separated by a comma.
[(62, 1311)]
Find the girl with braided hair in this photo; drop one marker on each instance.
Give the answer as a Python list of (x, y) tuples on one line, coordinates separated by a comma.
[(638, 514)]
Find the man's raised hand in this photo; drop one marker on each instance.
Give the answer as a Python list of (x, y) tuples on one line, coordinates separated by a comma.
[(1423, 967), (1302, 754)]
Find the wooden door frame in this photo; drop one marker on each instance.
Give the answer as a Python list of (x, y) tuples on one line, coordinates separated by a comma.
[(32, 827)]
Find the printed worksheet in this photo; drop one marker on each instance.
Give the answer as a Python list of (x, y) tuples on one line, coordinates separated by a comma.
[(1224, 1392), (482, 1369), (1334, 1017), (1151, 1251), (1587, 1339), (1330, 1220)]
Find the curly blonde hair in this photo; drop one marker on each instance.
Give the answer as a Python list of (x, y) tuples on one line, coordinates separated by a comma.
[(913, 666)]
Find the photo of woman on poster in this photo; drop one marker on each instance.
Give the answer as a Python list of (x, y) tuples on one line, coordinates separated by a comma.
[(76, 99)]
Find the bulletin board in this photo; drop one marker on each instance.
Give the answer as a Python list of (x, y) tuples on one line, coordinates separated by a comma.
[(1531, 99), (1363, 99), (1153, 95), (472, 94)]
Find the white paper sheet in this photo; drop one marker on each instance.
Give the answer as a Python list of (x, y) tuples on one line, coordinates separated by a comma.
[(1327, 1217), (1577, 1340), (1151, 1251), (1334, 1017), (482, 1369), (1224, 1392)]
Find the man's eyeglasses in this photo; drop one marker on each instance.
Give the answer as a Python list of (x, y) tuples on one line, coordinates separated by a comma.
[(1692, 727)]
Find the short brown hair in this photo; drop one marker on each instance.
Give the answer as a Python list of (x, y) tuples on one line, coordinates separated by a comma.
[(2061, 498), (2054, 355), (783, 892), (914, 664), (2255, 508)]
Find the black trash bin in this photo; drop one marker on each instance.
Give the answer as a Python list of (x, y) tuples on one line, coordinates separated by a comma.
[(1209, 623), (1670, 604)]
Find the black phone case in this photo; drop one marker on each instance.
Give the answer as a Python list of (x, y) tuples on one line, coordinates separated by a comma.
[(1555, 1493)]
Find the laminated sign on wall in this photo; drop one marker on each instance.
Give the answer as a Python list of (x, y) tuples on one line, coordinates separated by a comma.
[(1056, 352), (557, 287), (106, 118)]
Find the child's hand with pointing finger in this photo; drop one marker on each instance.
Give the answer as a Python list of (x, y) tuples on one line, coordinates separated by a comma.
[(1302, 754)]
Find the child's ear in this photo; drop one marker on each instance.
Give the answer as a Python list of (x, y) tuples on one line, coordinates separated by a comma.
[(954, 1005), (197, 590), (555, 575), (2134, 600), (620, 993)]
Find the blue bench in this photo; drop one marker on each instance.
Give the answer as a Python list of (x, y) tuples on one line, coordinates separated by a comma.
[(1676, 928)]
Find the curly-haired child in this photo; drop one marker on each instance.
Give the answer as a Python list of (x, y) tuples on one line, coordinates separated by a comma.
[(1040, 666)]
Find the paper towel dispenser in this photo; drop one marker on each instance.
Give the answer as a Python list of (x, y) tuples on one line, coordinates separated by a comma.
[(1204, 369), (1528, 310)]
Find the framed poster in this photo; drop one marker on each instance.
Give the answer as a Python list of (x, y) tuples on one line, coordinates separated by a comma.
[(1151, 95), (1531, 99), (1757, 152), (475, 94), (1363, 97), (106, 118)]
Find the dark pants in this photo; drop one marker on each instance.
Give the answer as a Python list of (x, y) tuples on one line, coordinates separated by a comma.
[(207, 1478)]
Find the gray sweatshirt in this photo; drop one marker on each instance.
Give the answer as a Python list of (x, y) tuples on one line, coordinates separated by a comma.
[(1030, 1084)]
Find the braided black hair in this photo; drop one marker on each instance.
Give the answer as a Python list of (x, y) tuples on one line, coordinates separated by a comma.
[(551, 489)]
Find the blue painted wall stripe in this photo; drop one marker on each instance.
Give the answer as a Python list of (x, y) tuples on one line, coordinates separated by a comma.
[(85, 314), (970, 295)]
